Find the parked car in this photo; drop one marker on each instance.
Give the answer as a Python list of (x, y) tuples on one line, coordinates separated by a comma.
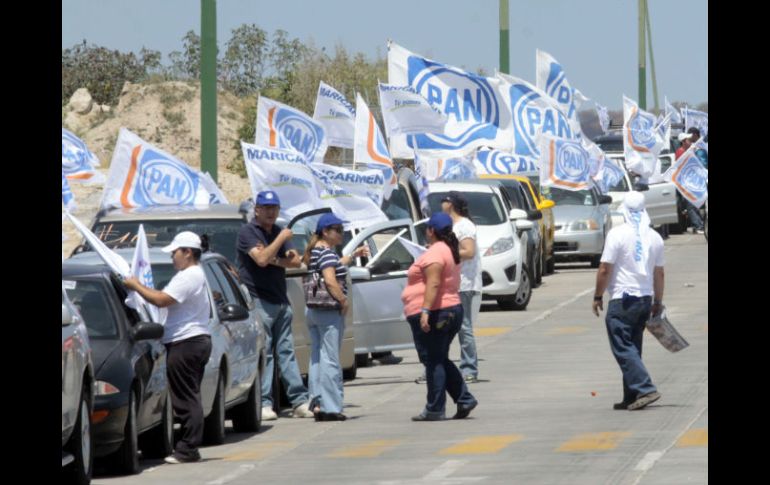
[(131, 393), (502, 242), (582, 222), (77, 395), (547, 223), (231, 386)]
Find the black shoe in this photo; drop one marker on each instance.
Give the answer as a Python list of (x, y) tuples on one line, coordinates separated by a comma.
[(178, 458), (464, 411), (321, 416), (425, 417), (620, 405)]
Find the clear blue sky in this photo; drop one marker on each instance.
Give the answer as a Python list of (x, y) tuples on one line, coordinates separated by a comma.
[(595, 40)]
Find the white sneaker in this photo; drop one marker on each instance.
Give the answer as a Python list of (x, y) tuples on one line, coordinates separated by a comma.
[(302, 411), (268, 414)]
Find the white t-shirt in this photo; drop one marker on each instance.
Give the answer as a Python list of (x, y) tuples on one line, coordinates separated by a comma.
[(470, 269), (619, 250), (190, 315)]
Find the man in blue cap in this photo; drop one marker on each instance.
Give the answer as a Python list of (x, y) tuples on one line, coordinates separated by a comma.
[(264, 252)]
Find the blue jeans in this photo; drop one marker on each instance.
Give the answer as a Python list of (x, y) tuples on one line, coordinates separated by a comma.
[(433, 350), (693, 213), (276, 319), (626, 320), (469, 361), (325, 378)]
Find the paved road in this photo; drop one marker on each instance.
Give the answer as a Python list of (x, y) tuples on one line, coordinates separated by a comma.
[(548, 381)]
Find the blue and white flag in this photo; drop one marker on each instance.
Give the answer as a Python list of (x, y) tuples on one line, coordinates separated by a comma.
[(116, 263), (564, 164), (281, 126), (360, 211), (67, 198), (672, 112), (534, 114), (447, 165), (643, 139), (596, 156), (404, 112), (216, 196), (551, 78), (337, 116), (689, 177), (142, 270), (77, 161), (363, 183), (476, 108), (609, 176), (423, 186), (142, 175), (497, 162), (369, 148), (604, 117), (696, 119)]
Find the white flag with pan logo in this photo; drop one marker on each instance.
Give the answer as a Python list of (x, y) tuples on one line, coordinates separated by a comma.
[(608, 176), (404, 112), (696, 119), (672, 112), (337, 116), (361, 211), (141, 270), (445, 166), (642, 139), (363, 183), (564, 164), (370, 149), (281, 126), (552, 79), (604, 117), (476, 108), (77, 161), (498, 162), (689, 177), (142, 175)]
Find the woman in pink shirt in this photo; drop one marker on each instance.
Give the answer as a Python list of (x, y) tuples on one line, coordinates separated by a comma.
[(434, 312)]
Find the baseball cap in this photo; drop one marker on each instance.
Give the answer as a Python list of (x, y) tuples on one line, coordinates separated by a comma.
[(439, 221), (186, 239), (268, 197), (326, 220), (684, 136)]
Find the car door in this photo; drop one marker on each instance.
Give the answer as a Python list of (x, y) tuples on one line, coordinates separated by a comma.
[(70, 382), (660, 202), (224, 333)]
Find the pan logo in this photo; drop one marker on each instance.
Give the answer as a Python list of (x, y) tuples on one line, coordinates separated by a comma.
[(557, 87), (502, 163), (163, 182), (531, 117), (641, 131), (571, 162), (692, 177), (299, 132), (468, 100)]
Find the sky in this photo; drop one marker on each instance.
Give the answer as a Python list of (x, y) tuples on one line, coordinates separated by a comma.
[(594, 40)]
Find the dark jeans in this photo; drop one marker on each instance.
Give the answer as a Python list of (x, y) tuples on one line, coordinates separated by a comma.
[(185, 362), (626, 320), (433, 350), (693, 213)]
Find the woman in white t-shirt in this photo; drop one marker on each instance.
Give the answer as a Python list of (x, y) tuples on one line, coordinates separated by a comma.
[(187, 339)]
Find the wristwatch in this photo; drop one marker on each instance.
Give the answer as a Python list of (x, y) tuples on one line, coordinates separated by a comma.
[(425, 310), (598, 298)]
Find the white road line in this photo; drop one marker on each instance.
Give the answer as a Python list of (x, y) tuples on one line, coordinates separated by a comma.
[(242, 470), (548, 313), (648, 460), (439, 474), (445, 469)]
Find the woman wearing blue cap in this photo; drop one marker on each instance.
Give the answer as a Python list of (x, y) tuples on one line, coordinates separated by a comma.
[(326, 325), (433, 309)]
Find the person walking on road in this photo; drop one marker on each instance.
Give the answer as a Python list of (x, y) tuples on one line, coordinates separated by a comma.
[(631, 270)]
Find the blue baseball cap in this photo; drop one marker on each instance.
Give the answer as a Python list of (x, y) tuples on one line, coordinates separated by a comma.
[(439, 221), (326, 220), (268, 197)]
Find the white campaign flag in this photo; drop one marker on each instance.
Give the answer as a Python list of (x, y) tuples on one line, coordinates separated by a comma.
[(370, 149), (596, 157), (364, 183), (337, 116), (281, 126), (604, 117), (404, 112), (110, 257), (689, 177), (497, 162), (423, 186), (476, 108), (142, 175), (142, 270), (552, 79), (413, 248), (642, 139), (534, 114), (360, 211), (564, 163), (67, 198), (77, 161), (216, 196), (696, 119), (447, 165), (672, 112), (609, 175)]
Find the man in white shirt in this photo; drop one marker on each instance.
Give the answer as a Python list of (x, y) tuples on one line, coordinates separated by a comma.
[(187, 338), (632, 270)]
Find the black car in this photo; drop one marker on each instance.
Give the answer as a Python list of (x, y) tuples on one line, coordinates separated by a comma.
[(132, 407)]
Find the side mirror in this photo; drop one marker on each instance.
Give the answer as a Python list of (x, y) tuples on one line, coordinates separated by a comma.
[(147, 331), (232, 311), (534, 215), (517, 214), (66, 316), (523, 225), (641, 187), (605, 199), (358, 273), (546, 204)]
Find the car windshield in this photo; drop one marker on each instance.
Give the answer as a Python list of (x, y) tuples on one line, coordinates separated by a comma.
[(484, 208), (614, 144), (397, 206), (90, 300), (621, 186), (569, 197)]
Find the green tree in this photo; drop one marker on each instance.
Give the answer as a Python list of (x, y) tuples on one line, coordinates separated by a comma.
[(187, 64), (244, 62)]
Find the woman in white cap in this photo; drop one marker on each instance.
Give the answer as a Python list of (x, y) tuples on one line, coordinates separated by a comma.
[(187, 339)]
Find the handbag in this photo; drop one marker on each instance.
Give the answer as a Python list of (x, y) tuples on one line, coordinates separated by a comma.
[(317, 294)]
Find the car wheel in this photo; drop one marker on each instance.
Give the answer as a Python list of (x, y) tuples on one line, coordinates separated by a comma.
[(550, 265), (159, 441), (247, 417), (520, 299), (79, 472), (214, 424), (362, 360), (126, 459), (350, 373), (539, 268)]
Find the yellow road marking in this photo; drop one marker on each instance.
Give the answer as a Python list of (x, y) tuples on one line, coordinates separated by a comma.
[(490, 331), (367, 450), (594, 442), (694, 437), (482, 445), (567, 330), (261, 450)]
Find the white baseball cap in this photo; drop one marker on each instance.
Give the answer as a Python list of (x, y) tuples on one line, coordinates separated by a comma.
[(186, 239), (684, 136)]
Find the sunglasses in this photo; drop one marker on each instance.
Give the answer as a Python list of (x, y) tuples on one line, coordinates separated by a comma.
[(336, 228)]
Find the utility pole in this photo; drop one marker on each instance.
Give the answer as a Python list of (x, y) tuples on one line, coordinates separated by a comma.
[(642, 56), (652, 55), (505, 66), (209, 87)]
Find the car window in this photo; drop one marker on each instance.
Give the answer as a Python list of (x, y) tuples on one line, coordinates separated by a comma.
[(217, 291), (397, 206), (232, 292), (91, 301), (621, 186), (570, 197), (388, 254), (526, 195), (484, 208)]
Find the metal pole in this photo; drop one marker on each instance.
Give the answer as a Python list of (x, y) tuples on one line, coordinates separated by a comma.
[(652, 55), (209, 87), (505, 65), (642, 58)]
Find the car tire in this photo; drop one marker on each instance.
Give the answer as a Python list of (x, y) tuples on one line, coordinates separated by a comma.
[(80, 445), (214, 424), (350, 373), (520, 299), (159, 441), (247, 416), (362, 360), (550, 265), (126, 459), (539, 268)]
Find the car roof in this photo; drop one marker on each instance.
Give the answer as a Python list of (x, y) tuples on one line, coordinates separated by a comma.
[(90, 259), (463, 186), (216, 211), (494, 182)]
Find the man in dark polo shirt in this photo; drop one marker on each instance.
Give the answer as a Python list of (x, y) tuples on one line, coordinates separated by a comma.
[(264, 252)]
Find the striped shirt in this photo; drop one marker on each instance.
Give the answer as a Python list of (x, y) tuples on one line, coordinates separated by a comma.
[(322, 258)]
